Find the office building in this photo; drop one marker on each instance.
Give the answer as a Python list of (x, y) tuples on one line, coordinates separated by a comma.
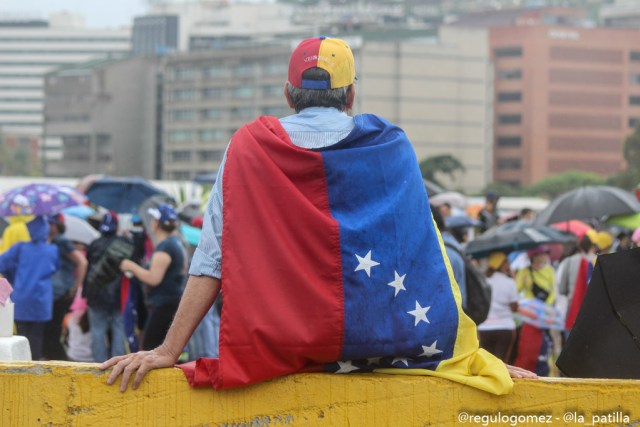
[(29, 48), (102, 118), (155, 35), (565, 99)]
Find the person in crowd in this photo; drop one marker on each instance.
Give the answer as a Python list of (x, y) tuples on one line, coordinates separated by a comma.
[(526, 214), (622, 242), (536, 281), (30, 266), (66, 282), (164, 278), (488, 215), (497, 333), (444, 209), (15, 232), (78, 332), (568, 271), (321, 90), (454, 251), (103, 296)]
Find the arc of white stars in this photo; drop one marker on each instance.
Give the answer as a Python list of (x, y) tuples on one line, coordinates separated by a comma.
[(366, 263), (420, 313), (430, 350), (400, 359), (345, 367), (398, 283)]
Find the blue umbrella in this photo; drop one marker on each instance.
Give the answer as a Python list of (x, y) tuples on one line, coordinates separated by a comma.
[(122, 195), (191, 234)]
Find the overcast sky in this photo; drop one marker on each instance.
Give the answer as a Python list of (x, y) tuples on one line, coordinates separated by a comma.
[(97, 13)]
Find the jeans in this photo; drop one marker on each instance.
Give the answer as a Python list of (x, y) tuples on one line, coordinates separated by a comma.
[(102, 321)]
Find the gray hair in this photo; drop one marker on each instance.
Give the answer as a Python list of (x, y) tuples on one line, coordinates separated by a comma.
[(304, 98)]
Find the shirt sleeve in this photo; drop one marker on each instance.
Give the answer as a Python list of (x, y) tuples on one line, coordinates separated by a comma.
[(207, 258)]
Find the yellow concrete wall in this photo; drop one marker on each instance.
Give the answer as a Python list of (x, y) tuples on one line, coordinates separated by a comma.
[(74, 394)]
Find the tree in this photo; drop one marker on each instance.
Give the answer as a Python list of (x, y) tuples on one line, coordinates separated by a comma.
[(554, 185), (630, 177), (443, 164)]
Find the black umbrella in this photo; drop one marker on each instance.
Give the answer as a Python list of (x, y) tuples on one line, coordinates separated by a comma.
[(515, 236), (123, 195), (604, 340), (590, 202)]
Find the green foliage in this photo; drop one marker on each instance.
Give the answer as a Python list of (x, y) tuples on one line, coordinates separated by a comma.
[(443, 164), (630, 177), (554, 185)]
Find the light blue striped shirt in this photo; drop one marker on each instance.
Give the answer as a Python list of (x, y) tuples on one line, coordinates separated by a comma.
[(312, 128)]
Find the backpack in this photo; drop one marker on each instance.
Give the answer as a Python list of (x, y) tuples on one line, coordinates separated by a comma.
[(478, 290)]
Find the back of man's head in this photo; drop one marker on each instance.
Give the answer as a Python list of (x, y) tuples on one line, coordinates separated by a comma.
[(321, 73)]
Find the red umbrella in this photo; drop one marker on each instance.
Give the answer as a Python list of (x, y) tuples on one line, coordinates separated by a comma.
[(574, 226)]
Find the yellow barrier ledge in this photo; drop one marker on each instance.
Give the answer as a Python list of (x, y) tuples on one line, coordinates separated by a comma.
[(75, 394)]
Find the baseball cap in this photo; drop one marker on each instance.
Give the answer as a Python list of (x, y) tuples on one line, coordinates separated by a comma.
[(109, 223), (330, 54), (496, 259), (163, 213)]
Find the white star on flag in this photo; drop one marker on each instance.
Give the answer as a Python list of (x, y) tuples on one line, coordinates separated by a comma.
[(431, 350), (400, 359), (420, 313), (373, 361), (346, 367), (366, 263), (398, 283)]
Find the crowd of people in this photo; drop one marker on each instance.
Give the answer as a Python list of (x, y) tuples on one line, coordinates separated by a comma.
[(87, 303), (555, 275)]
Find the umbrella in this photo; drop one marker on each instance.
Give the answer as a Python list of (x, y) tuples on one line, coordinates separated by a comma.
[(39, 199), (191, 234), (514, 236), (574, 226), (122, 195), (460, 221), (629, 221), (79, 230), (82, 212), (604, 340), (589, 202), (453, 198)]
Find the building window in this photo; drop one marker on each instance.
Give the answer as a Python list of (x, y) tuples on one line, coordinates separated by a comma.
[(215, 71), (273, 90), (509, 141), (507, 52), (210, 155), (510, 163), (243, 70), (76, 148), (243, 92), (509, 119), (212, 114), (183, 115), (185, 95), (509, 96), (212, 93), (634, 100), (181, 175), (181, 135), (633, 122), (510, 74), (634, 55), (187, 74), (634, 79), (103, 148), (181, 156), (276, 68), (276, 111), (208, 135), (244, 113)]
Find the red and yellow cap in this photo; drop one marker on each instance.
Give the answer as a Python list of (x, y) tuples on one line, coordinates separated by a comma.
[(332, 55)]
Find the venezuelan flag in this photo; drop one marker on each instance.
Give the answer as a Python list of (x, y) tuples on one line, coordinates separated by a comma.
[(332, 262)]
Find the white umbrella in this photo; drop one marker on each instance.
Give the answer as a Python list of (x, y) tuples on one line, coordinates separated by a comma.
[(79, 230), (455, 199)]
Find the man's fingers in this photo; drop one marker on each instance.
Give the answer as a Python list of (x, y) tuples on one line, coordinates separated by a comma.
[(142, 371), (109, 363), (126, 373)]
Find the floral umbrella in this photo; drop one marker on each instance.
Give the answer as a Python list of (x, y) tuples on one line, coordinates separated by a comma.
[(39, 199)]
